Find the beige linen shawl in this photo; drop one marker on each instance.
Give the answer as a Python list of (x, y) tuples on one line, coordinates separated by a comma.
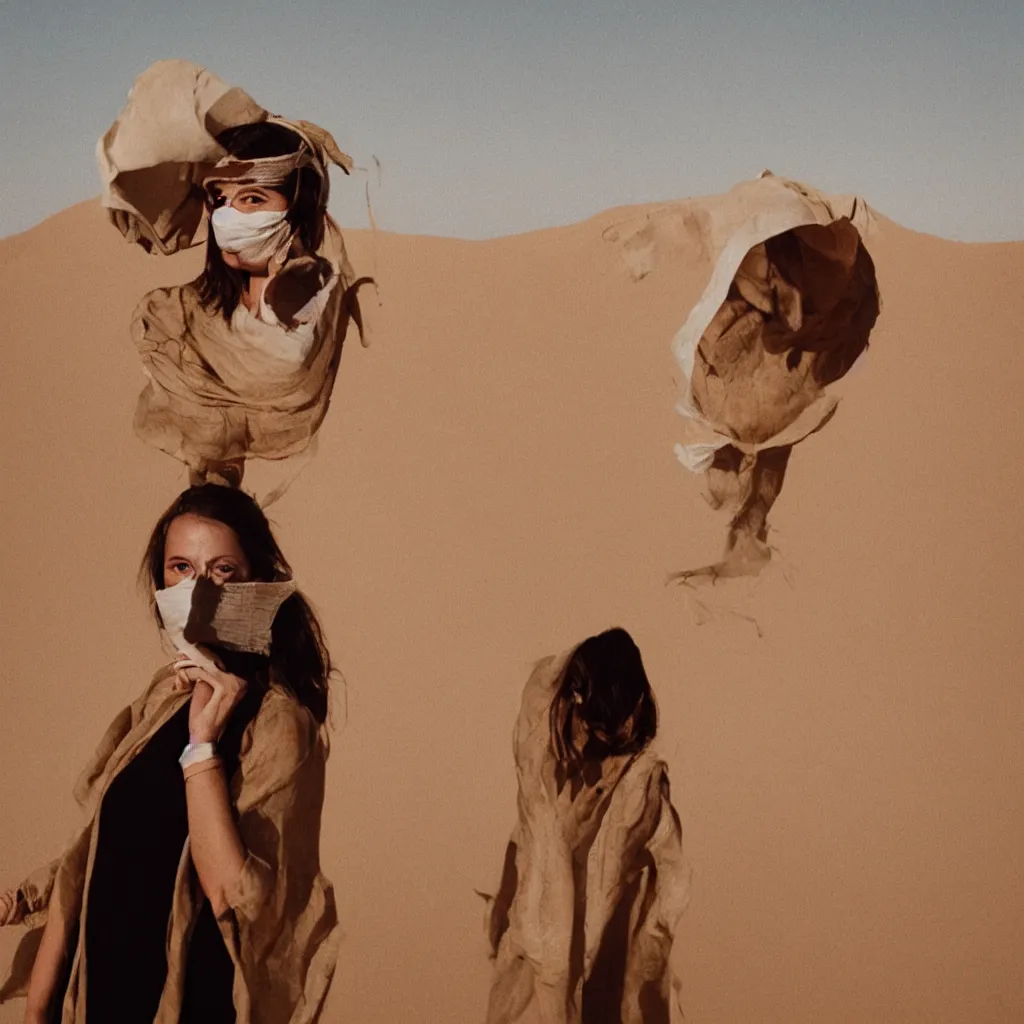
[(281, 929), (216, 391), (592, 889)]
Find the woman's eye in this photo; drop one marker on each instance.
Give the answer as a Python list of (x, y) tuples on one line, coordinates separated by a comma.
[(181, 567), (225, 570)]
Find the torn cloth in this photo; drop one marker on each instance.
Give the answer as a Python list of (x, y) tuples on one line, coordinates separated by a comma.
[(154, 159), (791, 302), (593, 887)]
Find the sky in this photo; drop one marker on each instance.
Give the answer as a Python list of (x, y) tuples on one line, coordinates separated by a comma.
[(490, 119)]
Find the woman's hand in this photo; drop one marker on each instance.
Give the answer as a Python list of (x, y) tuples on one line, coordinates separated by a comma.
[(215, 694)]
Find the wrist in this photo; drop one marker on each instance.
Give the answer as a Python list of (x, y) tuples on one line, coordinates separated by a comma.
[(197, 752), (213, 764)]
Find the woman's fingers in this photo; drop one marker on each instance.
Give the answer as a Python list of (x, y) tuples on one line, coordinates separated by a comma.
[(212, 702), (211, 714), (196, 672)]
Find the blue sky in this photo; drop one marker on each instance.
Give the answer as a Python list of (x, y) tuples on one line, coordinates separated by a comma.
[(492, 119)]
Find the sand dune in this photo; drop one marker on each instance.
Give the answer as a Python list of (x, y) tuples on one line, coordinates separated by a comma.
[(496, 480)]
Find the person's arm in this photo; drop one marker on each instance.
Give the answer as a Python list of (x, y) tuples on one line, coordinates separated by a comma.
[(223, 860), (217, 849), (46, 969), (278, 908), (218, 852)]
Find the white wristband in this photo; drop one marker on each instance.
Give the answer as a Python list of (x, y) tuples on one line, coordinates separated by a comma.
[(196, 752)]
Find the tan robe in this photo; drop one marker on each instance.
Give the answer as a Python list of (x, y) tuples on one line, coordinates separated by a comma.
[(216, 391), (593, 886), (281, 928)]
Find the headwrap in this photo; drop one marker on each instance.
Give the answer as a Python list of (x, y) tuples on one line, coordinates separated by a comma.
[(157, 159)]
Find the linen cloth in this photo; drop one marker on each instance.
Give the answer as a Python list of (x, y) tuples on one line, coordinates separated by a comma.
[(281, 926)]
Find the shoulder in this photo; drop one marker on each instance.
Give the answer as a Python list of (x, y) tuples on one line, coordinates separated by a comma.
[(164, 306), (648, 774), (540, 690), (159, 298), (284, 730), (544, 679), (531, 738), (282, 749)]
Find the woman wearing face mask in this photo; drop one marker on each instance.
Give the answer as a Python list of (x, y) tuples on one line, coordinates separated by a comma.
[(241, 361), (594, 880), (194, 892)]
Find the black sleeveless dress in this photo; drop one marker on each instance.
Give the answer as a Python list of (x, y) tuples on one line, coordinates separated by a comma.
[(143, 823)]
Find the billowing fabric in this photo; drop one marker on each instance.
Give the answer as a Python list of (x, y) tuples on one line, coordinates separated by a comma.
[(593, 886), (789, 307), (259, 386), (281, 927), (155, 157)]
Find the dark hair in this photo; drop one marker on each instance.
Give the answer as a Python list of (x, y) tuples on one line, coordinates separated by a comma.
[(605, 687), (299, 658), (220, 286)]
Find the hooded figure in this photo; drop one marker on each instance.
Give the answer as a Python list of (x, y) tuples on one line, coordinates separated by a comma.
[(241, 361), (594, 881)]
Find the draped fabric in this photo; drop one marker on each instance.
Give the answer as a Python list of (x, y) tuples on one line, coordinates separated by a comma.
[(258, 386), (789, 308), (593, 885), (281, 926)]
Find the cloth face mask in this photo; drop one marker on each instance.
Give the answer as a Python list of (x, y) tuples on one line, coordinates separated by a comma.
[(254, 237), (238, 616)]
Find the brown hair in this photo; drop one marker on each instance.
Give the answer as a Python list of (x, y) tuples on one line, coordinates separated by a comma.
[(605, 688)]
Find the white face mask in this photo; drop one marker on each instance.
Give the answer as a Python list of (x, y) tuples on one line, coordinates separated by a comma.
[(255, 237), (174, 604), (238, 616)]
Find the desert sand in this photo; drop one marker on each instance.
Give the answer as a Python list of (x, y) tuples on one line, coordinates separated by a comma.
[(495, 481)]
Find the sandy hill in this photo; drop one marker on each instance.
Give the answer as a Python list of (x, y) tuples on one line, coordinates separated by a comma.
[(495, 481)]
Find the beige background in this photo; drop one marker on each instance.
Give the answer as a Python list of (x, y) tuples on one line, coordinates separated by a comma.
[(495, 481)]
